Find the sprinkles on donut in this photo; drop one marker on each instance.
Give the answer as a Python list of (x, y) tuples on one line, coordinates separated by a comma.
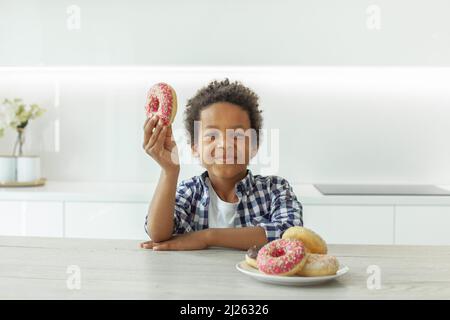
[(162, 101), (283, 257)]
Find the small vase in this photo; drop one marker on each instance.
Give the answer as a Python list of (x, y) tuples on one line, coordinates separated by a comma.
[(20, 141), (7, 168), (28, 167)]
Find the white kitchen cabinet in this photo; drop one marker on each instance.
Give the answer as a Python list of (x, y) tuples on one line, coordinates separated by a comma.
[(11, 218), (31, 218), (422, 225), (43, 219), (351, 224), (112, 220)]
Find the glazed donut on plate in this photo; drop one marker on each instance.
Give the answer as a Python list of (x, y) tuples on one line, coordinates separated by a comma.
[(319, 265), (162, 101), (311, 240), (282, 257), (250, 256)]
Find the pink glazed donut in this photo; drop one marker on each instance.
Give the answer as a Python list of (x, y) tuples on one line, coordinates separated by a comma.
[(282, 257), (162, 101)]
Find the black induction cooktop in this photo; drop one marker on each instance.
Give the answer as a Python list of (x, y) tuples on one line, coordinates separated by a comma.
[(381, 189)]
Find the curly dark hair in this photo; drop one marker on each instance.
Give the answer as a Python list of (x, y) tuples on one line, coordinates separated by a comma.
[(223, 91)]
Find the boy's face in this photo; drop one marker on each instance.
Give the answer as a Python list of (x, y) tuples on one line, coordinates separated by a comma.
[(224, 140)]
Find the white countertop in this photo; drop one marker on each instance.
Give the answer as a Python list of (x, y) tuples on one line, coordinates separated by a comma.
[(37, 268), (142, 192)]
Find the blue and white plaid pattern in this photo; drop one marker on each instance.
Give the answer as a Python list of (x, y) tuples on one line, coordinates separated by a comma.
[(265, 201)]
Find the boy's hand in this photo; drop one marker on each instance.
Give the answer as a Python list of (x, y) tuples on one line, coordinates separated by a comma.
[(189, 241), (159, 144)]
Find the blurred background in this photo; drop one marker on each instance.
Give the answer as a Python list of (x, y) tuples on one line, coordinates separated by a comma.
[(353, 91)]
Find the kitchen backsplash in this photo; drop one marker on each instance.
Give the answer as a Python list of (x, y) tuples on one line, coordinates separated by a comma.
[(329, 124)]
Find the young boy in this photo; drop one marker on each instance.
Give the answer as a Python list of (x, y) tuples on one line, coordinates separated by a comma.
[(226, 206)]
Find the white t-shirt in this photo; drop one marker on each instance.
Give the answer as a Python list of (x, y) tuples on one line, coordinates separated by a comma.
[(221, 214)]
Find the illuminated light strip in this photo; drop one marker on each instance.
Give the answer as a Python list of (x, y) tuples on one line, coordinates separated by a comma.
[(362, 79), (56, 134)]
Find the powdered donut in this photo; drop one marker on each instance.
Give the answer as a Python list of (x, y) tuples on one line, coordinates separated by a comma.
[(162, 101), (312, 241), (318, 265), (251, 255), (282, 257)]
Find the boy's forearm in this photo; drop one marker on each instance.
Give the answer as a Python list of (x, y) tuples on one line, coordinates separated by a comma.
[(160, 213), (236, 238)]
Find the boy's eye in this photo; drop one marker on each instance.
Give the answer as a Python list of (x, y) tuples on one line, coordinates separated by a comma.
[(210, 136), (239, 135)]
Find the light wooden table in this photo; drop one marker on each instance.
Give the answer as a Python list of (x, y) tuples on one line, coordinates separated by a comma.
[(36, 268)]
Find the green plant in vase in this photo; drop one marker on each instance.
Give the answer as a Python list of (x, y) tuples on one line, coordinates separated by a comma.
[(16, 115)]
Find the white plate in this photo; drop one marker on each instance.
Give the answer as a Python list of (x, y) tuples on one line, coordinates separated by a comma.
[(287, 281)]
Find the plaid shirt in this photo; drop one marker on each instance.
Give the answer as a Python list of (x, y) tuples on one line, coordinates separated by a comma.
[(265, 201)]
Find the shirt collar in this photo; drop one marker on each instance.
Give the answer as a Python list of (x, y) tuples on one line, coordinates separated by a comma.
[(243, 186)]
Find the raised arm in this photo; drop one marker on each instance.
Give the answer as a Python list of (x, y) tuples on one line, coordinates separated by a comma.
[(159, 144)]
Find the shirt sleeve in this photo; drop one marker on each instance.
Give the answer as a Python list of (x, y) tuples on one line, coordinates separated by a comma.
[(182, 210), (285, 210)]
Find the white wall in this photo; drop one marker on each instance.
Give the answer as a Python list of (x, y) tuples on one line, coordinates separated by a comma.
[(336, 124), (236, 32), (345, 124), (350, 103)]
